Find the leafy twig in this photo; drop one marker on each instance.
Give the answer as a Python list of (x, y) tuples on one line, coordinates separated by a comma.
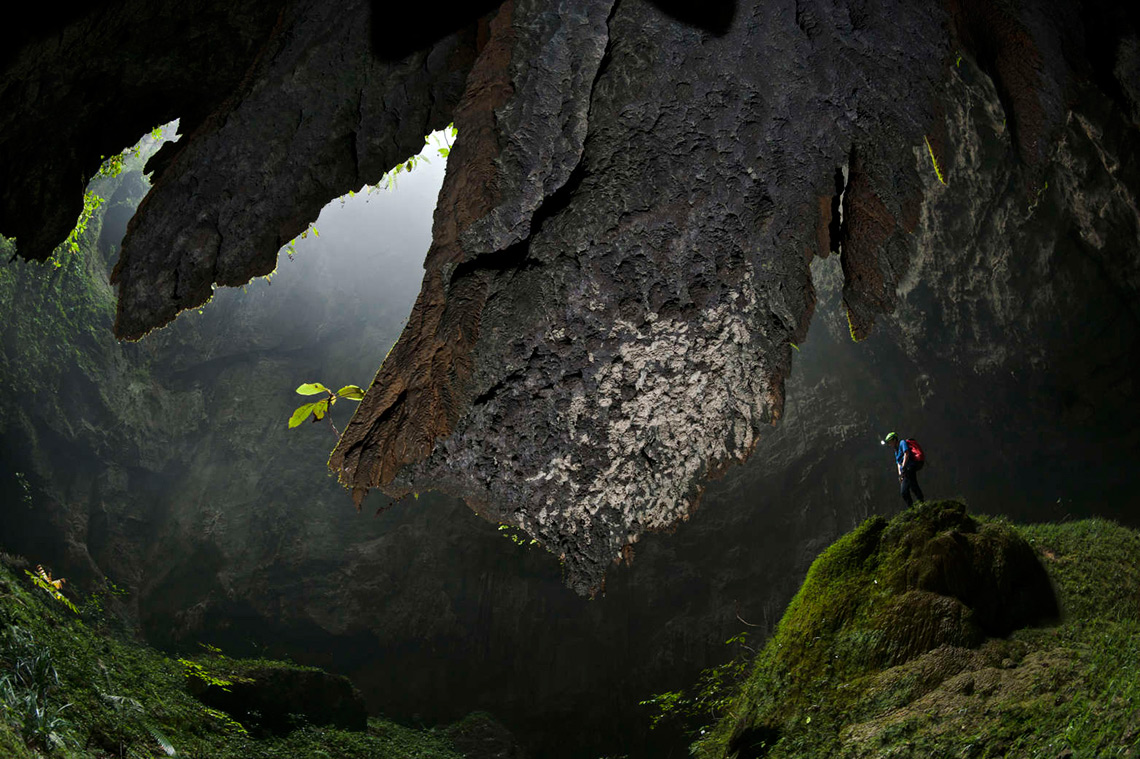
[(320, 409)]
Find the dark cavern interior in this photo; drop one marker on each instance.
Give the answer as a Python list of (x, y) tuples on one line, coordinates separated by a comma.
[(622, 298)]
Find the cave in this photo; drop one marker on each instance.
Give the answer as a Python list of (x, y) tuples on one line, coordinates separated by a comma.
[(679, 272)]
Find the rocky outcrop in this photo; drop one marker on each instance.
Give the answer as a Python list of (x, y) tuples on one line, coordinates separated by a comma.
[(322, 116), (638, 341), (587, 381), (78, 83), (935, 631)]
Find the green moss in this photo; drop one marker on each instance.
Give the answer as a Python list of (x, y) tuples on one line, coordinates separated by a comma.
[(11, 744), (118, 698), (939, 635)]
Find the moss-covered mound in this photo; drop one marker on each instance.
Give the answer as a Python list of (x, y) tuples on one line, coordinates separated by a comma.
[(938, 634), (71, 689), (273, 697)]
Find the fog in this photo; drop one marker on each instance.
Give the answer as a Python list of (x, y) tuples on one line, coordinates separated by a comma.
[(366, 254)]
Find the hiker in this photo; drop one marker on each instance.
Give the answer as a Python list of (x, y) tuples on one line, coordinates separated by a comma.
[(910, 458)]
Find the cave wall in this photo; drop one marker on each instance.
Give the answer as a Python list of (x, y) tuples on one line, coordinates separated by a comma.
[(78, 82)]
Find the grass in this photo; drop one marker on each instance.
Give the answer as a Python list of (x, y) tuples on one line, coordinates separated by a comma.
[(939, 634), (100, 695)]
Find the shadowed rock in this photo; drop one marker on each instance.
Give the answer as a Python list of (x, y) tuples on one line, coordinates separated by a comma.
[(277, 699), (318, 117)]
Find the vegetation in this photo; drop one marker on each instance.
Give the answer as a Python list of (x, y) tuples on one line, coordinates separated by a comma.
[(70, 688), (56, 318), (937, 634), (320, 409), (95, 196), (933, 160), (515, 535), (440, 140), (855, 338), (43, 580), (698, 707)]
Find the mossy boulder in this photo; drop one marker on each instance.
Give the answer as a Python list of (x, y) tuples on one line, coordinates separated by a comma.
[(67, 681), (942, 634), (480, 736), (988, 567), (889, 591), (274, 697)]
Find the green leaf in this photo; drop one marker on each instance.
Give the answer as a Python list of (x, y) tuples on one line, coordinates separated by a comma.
[(311, 388), (443, 152), (320, 408), (352, 392), (163, 741), (301, 414)]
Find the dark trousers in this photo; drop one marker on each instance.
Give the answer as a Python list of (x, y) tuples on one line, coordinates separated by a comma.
[(908, 483)]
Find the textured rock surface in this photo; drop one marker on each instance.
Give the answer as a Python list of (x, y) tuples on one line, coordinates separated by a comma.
[(322, 117), (85, 82), (639, 340)]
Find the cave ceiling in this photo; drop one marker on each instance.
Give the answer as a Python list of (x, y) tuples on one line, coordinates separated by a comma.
[(620, 266)]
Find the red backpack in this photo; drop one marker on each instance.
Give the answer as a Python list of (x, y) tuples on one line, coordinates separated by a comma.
[(915, 450)]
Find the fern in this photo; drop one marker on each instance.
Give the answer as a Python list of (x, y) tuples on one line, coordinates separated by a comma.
[(161, 739), (53, 587)]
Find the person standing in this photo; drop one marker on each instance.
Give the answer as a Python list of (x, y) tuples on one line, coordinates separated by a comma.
[(909, 458)]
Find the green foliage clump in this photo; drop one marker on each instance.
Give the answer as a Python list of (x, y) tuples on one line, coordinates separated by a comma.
[(698, 707), (320, 409), (43, 580), (91, 204), (929, 636), (442, 142), (95, 196), (69, 690), (28, 688), (208, 675)]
